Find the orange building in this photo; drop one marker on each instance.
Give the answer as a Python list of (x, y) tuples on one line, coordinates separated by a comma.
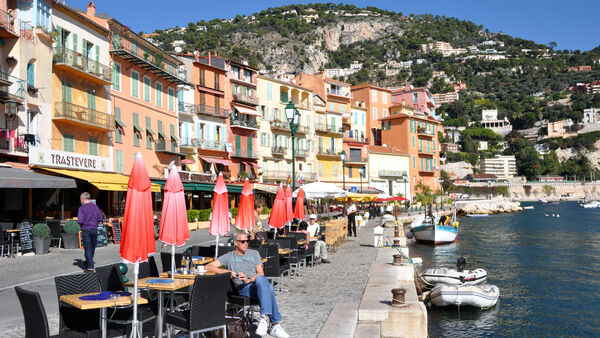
[(377, 102), (144, 100), (414, 133), (242, 99)]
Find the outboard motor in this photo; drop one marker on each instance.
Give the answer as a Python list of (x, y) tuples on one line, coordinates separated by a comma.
[(461, 264)]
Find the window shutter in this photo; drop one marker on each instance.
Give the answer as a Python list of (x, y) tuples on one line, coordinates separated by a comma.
[(84, 50), (59, 42), (97, 53), (74, 42), (237, 145), (116, 72), (249, 145), (31, 74)]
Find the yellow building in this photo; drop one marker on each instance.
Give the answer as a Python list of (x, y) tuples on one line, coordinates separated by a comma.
[(275, 147)]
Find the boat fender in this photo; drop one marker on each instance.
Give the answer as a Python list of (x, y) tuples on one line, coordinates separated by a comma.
[(417, 260), (409, 235)]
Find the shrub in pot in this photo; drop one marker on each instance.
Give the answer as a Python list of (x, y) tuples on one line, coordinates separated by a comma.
[(70, 236), (41, 234)]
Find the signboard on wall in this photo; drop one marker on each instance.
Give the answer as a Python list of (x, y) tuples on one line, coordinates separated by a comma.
[(68, 160)]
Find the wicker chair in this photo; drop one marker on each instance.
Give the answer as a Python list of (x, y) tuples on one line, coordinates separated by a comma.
[(34, 314)]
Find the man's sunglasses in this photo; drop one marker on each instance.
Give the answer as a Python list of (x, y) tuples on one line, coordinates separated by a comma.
[(242, 240)]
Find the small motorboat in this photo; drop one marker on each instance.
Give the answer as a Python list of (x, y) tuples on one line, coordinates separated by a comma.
[(477, 215), (454, 277), (429, 230), (481, 296), (591, 204), (529, 207), (543, 201)]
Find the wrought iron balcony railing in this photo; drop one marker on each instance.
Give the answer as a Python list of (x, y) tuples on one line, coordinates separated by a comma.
[(83, 115), (82, 63)]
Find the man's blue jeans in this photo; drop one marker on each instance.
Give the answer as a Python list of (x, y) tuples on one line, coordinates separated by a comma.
[(262, 290), (89, 237)]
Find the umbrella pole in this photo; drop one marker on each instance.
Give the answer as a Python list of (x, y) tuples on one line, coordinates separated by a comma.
[(217, 248), (134, 323), (173, 260)]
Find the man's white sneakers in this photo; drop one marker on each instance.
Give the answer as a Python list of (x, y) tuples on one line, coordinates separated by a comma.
[(278, 332), (262, 327)]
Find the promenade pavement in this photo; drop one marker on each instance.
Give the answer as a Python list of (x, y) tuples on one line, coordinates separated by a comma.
[(304, 307)]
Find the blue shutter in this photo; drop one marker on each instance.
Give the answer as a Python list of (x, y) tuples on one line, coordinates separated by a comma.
[(31, 74)]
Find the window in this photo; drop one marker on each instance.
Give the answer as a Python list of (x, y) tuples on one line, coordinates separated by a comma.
[(283, 96), (374, 113), (118, 130), (420, 144), (171, 98), (249, 146), (415, 97), (201, 75), (173, 137), (247, 75), (147, 85), (235, 71), (148, 133), (414, 162), (217, 82), (136, 132), (43, 17), (31, 74), (119, 161), (335, 170), (384, 97), (159, 94), (93, 146), (422, 164), (373, 95), (320, 169), (66, 93), (332, 107), (341, 108), (269, 91), (68, 142), (116, 77), (434, 142), (384, 113), (413, 141), (362, 116), (180, 101), (135, 84)]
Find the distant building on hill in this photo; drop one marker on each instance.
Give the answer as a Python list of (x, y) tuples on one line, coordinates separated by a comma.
[(556, 129), (550, 178), (591, 115), (444, 98), (501, 166), (579, 69), (489, 120), (449, 147)]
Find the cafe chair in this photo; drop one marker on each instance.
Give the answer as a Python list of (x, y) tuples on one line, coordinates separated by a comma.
[(55, 231), (34, 314), (273, 270), (165, 259), (207, 307)]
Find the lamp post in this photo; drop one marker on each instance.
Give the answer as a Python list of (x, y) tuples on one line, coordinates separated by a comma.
[(293, 116), (405, 179), (361, 172), (343, 157)]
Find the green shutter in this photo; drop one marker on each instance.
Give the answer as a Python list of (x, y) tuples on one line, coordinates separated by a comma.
[(118, 134), (59, 41), (238, 145), (68, 143), (91, 100), (147, 89), (67, 92), (158, 94), (134, 48), (74, 42), (249, 146), (93, 146), (84, 47), (119, 160), (283, 96), (116, 75), (136, 136), (97, 53)]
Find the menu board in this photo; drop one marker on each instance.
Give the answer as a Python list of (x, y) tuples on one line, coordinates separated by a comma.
[(26, 236), (102, 239), (116, 230)]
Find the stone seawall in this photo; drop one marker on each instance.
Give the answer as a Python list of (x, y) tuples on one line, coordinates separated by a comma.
[(557, 190), (495, 206)]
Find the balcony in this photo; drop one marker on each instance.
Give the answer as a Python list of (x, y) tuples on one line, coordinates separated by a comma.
[(391, 173), (346, 120), (9, 146), (83, 116), (335, 129), (338, 93), (278, 151), (359, 139), (425, 132), (328, 152), (162, 147), (280, 125), (202, 109), (426, 152), (276, 174), (427, 171), (356, 160), (11, 88), (212, 145), (9, 25), (301, 153), (244, 124), (123, 48), (188, 143), (301, 129), (321, 127), (308, 176), (245, 99), (82, 66)]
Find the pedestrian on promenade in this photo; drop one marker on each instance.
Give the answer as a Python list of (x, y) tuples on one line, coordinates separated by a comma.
[(247, 273), (89, 216), (259, 229), (313, 230), (351, 211)]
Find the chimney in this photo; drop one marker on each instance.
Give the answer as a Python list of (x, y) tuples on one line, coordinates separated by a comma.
[(403, 102), (91, 9)]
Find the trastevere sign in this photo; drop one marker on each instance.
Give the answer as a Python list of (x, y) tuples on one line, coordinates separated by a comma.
[(68, 160)]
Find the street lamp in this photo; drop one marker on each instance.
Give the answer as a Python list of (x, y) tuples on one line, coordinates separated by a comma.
[(361, 172), (343, 157), (293, 116), (405, 179)]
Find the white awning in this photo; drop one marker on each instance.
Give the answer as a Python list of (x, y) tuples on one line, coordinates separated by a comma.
[(246, 110)]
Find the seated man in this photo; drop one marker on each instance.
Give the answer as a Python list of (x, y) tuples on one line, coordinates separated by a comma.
[(247, 272), (320, 247)]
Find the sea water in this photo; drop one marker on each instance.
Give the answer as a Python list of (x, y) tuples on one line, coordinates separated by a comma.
[(547, 269)]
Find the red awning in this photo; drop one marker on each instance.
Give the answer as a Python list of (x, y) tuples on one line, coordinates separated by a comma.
[(246, 110), (217, 160), (254, 165)]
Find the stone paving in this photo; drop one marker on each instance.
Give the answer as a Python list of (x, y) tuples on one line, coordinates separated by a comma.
[(304, 307)]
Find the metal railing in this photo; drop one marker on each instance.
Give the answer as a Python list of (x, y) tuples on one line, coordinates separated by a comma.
[(245, 98), (320, 127), (328, 151), (244, 123), (425, 131), (356, 160), (335, 129), (206, 110), (15, 91), (277, 174), (188, 142), (26, 30), (301, 152), (125, 44), (76, 60), (85, 115), (9, 22), (246, 154), (212, 145), (278, 150), (280, 125), (391, 173), (12, 146), (164, 146)]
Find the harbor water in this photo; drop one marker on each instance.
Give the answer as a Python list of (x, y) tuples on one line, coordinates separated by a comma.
[(547, 269)]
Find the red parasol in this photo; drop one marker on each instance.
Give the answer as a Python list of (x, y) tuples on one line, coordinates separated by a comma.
[(299, 209), (137, 238), (187, 161), (278, 216), (219, 220), (173, 222), (289, 211), (245, 216), (391, 199)]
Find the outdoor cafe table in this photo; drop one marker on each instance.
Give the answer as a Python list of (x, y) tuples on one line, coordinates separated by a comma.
[(204, 260), (12, 233), (178, 283), (285, 251), (187, 276), (99, 304)]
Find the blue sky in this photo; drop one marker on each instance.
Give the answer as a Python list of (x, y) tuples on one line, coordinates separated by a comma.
[(570, 25)]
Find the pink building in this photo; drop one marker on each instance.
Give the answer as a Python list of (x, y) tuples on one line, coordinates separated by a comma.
[(418, 98)]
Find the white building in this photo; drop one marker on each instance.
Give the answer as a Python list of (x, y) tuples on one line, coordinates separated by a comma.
[(388, 171), (591, 115), (504, 167), (489, 120)]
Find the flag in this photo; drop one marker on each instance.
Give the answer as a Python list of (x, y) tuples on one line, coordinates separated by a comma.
[(289, 180)]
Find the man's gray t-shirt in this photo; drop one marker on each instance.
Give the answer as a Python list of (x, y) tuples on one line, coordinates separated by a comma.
[(246, 263)]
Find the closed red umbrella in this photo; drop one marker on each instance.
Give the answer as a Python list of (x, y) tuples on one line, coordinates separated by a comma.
[(137, 238), (289, 211), (299, 209), (245, 216), (173, 222), (219, 220), (278, 213)]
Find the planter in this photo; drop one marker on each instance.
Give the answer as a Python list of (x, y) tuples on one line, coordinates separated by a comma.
[(42, 245), (70, 241), (192, 225), (204, 225)]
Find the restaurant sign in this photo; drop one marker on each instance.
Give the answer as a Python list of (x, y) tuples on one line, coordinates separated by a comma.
[(68, 160)]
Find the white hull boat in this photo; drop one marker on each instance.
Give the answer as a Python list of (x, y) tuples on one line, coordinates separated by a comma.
[(589, 205), (428, 230), (454, 277), (481, 296)]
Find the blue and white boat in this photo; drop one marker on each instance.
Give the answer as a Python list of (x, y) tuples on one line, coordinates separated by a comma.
[(434, 231)]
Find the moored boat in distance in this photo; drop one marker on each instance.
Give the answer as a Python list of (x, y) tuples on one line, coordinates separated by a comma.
[(477, 215), (441, 232), (591, 204)]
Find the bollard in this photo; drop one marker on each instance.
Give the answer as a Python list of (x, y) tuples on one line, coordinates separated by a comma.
[(398, 296), (397, 259), (396, 235)]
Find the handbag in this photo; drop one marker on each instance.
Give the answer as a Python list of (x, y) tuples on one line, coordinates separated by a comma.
[(237, 327)]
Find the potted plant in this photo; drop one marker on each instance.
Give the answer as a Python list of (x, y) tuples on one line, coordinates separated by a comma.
[(41, 233), (70, 236)]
